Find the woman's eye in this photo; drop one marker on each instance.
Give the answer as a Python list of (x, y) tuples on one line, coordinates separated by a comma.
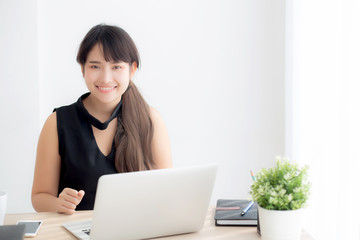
[(117, 67), (94, 67)]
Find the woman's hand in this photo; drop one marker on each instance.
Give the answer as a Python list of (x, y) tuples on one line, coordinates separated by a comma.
[(68, 200)]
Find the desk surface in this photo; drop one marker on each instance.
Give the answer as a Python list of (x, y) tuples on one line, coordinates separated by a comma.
[(52, 227)]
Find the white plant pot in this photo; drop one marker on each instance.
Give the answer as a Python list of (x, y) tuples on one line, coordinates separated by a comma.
[(280, 224)]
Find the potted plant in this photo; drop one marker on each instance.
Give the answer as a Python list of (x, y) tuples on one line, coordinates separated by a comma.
[(281, 192)]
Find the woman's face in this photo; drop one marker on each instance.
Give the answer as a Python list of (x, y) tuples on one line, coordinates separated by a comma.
[(106, 81)]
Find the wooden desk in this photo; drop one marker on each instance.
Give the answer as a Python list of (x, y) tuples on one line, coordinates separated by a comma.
[(52, 227)]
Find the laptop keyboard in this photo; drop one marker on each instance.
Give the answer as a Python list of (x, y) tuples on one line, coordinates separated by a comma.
[(87, 231)]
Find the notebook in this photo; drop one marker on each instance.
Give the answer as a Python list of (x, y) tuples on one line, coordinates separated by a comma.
[(228, 213), (149, 204)]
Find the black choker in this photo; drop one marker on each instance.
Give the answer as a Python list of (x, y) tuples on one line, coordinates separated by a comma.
[(93, 121)]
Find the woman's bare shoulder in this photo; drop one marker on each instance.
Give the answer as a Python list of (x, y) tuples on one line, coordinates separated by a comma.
[(161, 142), (154, 111), (50, 121)]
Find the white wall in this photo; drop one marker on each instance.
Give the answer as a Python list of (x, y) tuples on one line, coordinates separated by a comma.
[(19, 122), (323, 118), (214, 70)]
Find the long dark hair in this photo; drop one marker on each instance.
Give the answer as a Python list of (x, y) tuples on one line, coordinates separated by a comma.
[(135, 129)]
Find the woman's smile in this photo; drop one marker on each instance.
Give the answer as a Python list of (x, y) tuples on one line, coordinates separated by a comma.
[(106, 89)]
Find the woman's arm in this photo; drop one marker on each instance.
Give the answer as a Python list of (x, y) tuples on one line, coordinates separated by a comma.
[(161, 143), (47, 174)]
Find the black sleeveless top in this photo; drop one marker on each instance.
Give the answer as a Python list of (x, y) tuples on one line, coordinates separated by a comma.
[(82, 162)]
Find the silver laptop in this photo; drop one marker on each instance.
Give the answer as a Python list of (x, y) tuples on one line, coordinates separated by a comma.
[(149, 204)]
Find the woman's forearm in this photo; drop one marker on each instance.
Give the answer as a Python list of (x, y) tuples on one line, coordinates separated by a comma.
[(44, 202)]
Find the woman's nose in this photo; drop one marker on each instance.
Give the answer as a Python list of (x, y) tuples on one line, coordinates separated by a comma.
[(106, 76)]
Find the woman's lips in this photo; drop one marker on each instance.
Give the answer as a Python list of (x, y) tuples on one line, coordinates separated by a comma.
[(106, 89)]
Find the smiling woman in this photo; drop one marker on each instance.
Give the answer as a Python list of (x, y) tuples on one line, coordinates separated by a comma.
[(107, 81), (108, 130), (214, 70)]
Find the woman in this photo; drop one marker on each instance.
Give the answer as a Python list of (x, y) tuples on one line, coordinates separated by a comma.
[(108, 130)]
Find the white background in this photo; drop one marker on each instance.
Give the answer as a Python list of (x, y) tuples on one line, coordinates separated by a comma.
[(322, 110), (214, 70), (237, 82)]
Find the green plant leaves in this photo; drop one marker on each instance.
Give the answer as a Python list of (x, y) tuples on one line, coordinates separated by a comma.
[(283, 187)]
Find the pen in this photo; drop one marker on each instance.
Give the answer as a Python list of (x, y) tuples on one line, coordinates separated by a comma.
[(253, 176), (243, 212)]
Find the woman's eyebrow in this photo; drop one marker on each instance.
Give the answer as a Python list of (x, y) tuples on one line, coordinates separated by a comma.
[(95, 62), (118, 61)]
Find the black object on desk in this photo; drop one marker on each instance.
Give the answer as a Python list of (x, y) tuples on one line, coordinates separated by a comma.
[(12, 232), (228, 213)]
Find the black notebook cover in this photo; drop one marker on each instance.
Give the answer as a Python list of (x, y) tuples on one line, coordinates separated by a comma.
[(233, 217), (12, 232)]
